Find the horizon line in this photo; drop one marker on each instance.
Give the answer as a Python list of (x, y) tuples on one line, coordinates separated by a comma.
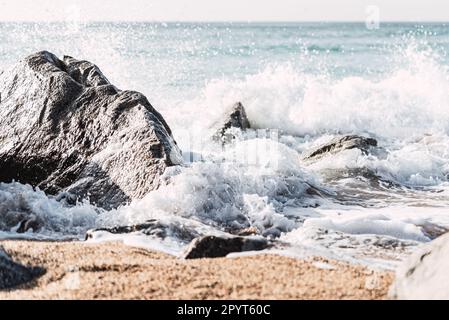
[(222, 21)]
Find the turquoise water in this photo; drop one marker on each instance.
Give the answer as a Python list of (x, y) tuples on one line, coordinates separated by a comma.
[(182, 56), (175, 62)]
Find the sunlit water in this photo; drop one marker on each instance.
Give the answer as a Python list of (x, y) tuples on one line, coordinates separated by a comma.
[(304, 82)]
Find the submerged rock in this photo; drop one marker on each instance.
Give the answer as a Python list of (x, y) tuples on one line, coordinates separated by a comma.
[(339, 144), (13, 274), (235, 117), (214, 247), (424, 275), (65, 127)]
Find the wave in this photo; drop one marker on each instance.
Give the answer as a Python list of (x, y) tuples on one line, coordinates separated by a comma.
[(409, 100), (19, 202), (230, 195)]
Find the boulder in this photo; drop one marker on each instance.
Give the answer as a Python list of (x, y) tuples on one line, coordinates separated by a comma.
[(65, 128), (425, 274), (13, 274), (234, 117), (214, 247), (339, 144)]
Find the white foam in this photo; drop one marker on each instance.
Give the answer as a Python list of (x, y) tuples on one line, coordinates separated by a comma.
[(369, 224), (410, 100), (169, 246), (19, 202), (234, 193)]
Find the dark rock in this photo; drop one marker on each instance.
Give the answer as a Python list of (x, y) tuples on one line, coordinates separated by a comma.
[(123, 229), (424, 275), (151, 228), (432, 230), (235, 117), (214, 247), (30, 223), (13, 274), (339, 144), (64, 127)]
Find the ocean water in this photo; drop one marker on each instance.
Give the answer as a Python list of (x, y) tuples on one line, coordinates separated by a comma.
[(301, 84)]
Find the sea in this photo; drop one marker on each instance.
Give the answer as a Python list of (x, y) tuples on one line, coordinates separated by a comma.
[(301, 84)]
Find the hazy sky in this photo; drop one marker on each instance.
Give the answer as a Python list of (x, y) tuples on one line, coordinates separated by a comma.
[(210, 10)]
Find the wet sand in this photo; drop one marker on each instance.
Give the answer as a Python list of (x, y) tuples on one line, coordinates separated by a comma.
[(77, 270)]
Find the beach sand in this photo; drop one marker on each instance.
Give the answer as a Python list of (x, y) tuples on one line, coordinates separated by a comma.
[(112, 270)]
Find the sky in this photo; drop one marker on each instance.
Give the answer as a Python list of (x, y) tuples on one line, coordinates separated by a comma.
[(224, 10)]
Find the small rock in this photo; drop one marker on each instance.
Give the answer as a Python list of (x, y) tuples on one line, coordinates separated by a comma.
[(235, 117), (150, 228), (123, 229), (214, 247), (31, 223), (432, 230), (339, 144)]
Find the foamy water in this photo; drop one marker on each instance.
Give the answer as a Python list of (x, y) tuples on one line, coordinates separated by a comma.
[(301, 84)]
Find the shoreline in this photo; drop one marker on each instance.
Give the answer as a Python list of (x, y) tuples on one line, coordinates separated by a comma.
[(113, 270)]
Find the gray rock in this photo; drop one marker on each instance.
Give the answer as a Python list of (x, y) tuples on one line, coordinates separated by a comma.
[(151, 228), (13, 274), (30, 223), (65, 127), (432, 230), (425, 274), (214, 247), (234, 117), (339, 144)]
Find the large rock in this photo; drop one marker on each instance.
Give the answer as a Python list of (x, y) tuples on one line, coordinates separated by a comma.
[(65, 127), (13, 274), (214, 247), (233, 117), (425, 274), (339, 144)]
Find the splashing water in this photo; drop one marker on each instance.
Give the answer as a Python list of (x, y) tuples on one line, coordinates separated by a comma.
[(308, 82)]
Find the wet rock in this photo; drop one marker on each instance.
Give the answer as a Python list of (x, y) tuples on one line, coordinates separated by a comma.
[(235, 117), (150, 228), (13, 274), (30, 223), (65, 128), (432, 230), (424, 275), (339, 144), (214, 247)]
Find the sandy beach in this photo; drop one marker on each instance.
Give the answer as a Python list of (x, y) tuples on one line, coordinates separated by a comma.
[(77, 270)]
